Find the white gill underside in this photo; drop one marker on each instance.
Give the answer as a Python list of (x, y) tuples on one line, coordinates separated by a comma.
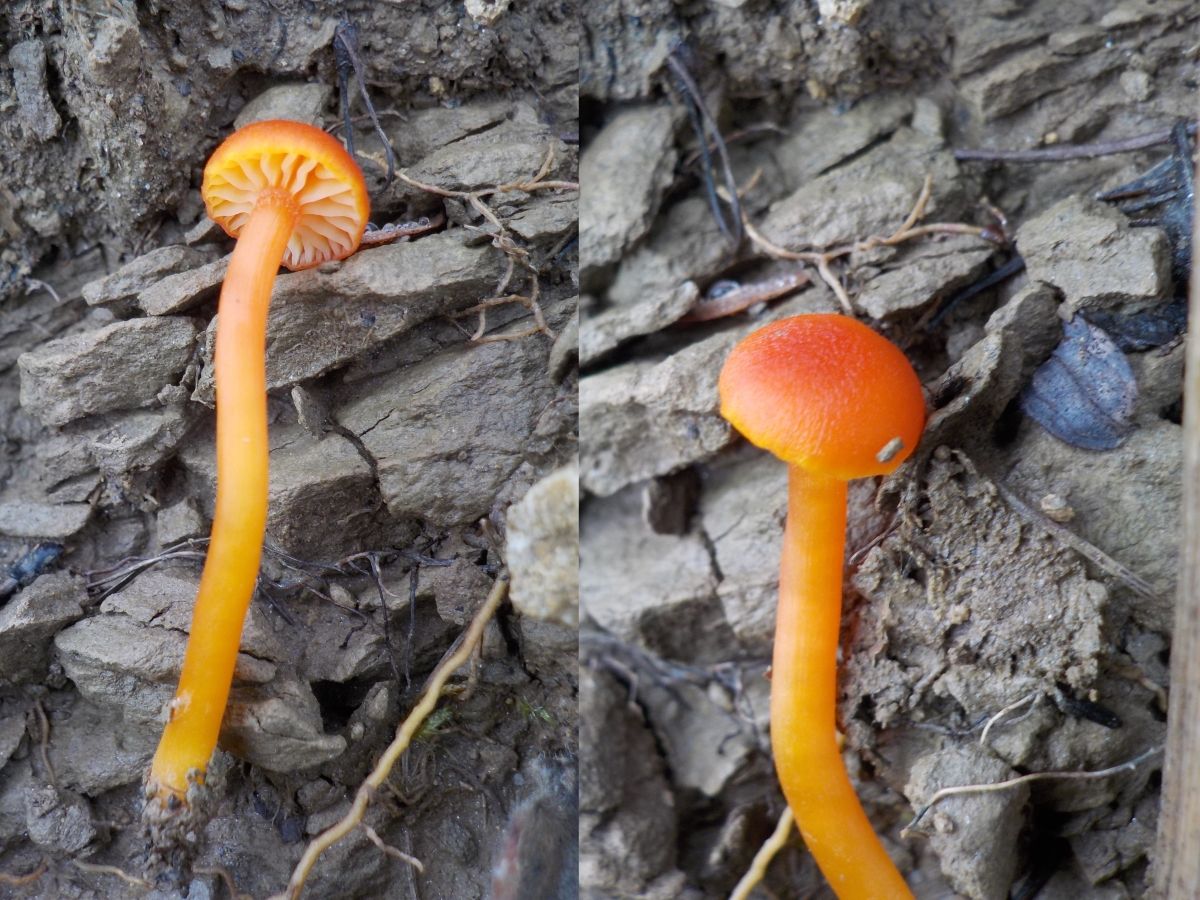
[(328, 218)]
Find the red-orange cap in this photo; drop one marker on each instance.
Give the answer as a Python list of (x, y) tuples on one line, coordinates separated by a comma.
[(826, 393), (321, 177)]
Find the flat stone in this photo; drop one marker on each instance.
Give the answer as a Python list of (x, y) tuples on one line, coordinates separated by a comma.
[(117, 662), (924, 274), (93, 751), (58, 821), (448, 432), (144, 272), (12, 729), (278, 727), (513, 151), (543, 549), (638, 585), (173, 294), (53, 521), (870, 195), (179, 521), (312, 482), (976, 840), (547, 219), (623, 174), (320, 321), (299, 102), (606, 330), (1091, 253), (120, 366), (31, 618), (137, 440), (36, 110), (425, 130)]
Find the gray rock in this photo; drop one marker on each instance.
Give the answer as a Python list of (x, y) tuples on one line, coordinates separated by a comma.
[(546, 220), (543, 549), (30, 620), (638, 585), (425, 130), (12, 729), (117, 661), (974, 835), (447, 433), (120, 366), (549, 650), (136, 440), (93, 751), (627, 827), (623, 174), (871, 195), (513, 151), (278, 727), (829, 135), (564, 355), (924, 273), (179, 521), (35, 109), (1025, 77), (1089, 251), (312, 482), (300, 102), (607, 329), (320, 321), (16, 780), (686, 245), (173, 294), (54, 521), (456, 590), (142, 273), (58, 821)]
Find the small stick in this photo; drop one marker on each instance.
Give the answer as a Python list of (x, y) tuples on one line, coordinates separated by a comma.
[(1072, 151), (375, 839), (1129, 765), (762, 859), (429, 699), (93, 869), (30, 878), (44, 742), (1177, 864), (1012, 707)]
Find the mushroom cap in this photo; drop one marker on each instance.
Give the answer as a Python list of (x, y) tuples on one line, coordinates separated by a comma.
[(826, 393), (303, 161)]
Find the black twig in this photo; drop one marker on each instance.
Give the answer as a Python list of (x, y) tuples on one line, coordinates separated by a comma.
[(346, 58), (1073, 151), (706, 128)]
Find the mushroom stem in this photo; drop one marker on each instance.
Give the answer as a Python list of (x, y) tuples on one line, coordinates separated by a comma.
[(239, 523), (804, 695)]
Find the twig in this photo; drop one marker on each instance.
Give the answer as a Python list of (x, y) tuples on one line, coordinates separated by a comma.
[(30, 878), (702, 122), (223, 873), (746, 296), (1028, 698), (906, 232), (44, 741), (1127, 766), (93, 869), (762, 859), (1072, 151), (375, 839), (404, 735), (1177, 865)]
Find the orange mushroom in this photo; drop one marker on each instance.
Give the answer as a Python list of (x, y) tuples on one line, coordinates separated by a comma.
[(290, 194), (836, 401)]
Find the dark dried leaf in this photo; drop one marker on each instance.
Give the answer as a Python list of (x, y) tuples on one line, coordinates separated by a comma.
[(1085, 392)]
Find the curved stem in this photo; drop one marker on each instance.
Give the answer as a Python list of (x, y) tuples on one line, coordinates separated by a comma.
[(239, 523), (804, 696)]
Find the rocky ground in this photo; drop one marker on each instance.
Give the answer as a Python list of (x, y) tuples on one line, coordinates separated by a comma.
[(1010, 610), (409, 462)]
